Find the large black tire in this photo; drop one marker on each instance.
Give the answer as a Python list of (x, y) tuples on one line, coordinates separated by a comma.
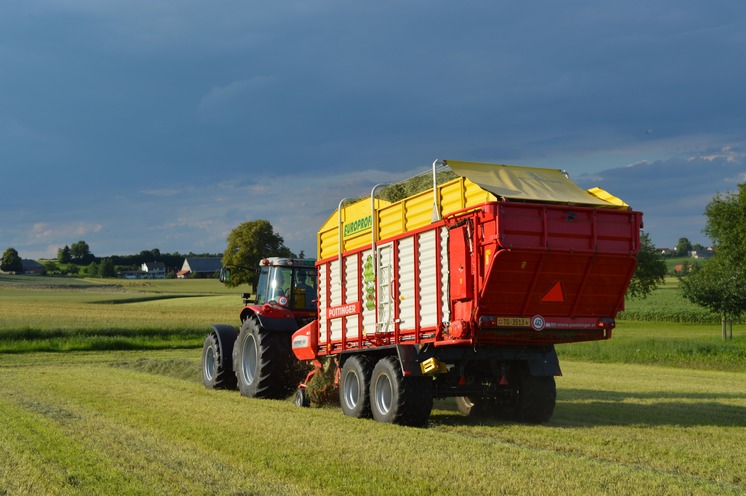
[(531, 399), (536, 398), (217, 363), (354, 386), (263, 362), (397, 399)]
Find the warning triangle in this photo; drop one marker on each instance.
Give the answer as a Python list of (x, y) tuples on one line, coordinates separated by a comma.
[(555, 293)]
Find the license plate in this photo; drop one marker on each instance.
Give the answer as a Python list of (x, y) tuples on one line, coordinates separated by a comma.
[(513, 322)]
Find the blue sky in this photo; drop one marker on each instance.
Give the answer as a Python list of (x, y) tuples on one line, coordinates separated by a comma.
[(136, 125)]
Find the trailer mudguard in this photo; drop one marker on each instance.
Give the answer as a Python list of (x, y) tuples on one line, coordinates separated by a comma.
[(544, 364), (410, 359)]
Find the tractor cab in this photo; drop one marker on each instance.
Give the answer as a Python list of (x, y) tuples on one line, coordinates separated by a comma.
[(288, 282)]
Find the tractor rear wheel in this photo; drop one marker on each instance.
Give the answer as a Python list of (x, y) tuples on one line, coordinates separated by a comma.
[(354, 385), (262, 362), (397, 399), (217, 363)]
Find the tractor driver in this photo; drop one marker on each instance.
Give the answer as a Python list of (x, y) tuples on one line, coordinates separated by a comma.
[(309, 291)]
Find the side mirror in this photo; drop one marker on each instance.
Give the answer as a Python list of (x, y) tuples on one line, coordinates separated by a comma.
[(225, 274)]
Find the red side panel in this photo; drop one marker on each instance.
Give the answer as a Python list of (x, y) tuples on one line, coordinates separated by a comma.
[(461, 275), (305, 341), (559, 261), (555, 284)]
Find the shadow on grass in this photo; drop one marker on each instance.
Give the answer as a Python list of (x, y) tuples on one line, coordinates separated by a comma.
[(143, 299), (598, 407), (588, 408)]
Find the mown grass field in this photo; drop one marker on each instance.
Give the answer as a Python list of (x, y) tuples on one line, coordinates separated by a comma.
[(100, 394), (69, 314)]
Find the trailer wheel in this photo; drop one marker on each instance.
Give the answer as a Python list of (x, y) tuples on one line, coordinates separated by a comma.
[(354, 385), (397, 399), (262, 363), (217, 364), (536, 399), (531, 399), (301, 398)]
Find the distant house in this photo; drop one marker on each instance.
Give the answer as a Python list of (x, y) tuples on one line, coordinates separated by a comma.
[(33, 267), (666, 252), (154, 270), (701, 254), (204, 267), (148, 270)]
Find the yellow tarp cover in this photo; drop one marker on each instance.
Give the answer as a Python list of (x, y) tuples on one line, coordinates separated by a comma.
[(608, 197), (529, 183)]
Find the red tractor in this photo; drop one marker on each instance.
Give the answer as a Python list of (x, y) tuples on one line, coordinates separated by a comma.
[(257, 358)]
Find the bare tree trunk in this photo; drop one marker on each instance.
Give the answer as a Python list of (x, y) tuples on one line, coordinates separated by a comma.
[(724, 327)]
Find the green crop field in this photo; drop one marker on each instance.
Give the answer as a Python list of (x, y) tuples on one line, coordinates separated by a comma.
[(100, 393)]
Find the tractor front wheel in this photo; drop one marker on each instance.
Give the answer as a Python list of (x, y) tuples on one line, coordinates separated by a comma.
[(217, 363)]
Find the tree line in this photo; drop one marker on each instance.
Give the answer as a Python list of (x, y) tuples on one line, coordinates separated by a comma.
[(77, 258)]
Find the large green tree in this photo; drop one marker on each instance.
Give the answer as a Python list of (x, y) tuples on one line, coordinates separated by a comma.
[(63, 255), (106, 268), (80, 253), (11, 262), (683, 247), (721, 284), (726, 224), (720, 287), (248, 244), (651, 269)]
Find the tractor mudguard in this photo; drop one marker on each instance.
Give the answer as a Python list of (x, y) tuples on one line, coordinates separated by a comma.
[(227, 335), (283, 324)]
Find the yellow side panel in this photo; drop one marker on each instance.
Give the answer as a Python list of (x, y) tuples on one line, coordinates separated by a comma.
[(390, 220), (397, 218), (462, 193), (419, 210), (356, 221)]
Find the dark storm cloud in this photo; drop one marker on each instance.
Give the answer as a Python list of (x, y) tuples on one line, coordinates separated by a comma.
[(106, 100)]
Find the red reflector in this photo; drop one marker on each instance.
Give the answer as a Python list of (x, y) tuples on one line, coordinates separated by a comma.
[(555, 294)]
